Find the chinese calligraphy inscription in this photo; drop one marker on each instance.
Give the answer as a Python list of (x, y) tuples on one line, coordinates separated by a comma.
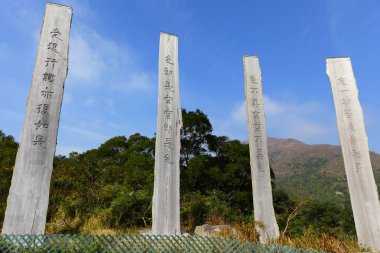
[(29, 193), (353, 138), (165, 210), (261, 181)]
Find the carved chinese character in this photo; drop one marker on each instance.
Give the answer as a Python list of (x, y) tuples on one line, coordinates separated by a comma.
[(257, 127), (42, 108), (258, 141), (351, 126), (50, 60), (168, 99), (254, 90), (168, 86), (39, 141), (260, 166), (167, 71), (348, 112), (344, 90), (342, 81), (168, 60), (346, 101), (46, 94), (52, 46), (48, 77), (168, 127), (356, 154), (253, 79), (256, 115), (255, 102), (259, 153), (168, 159), (168, 113), (353, 140), (168, 144), (55, 34), (40, 125), (358, 167)]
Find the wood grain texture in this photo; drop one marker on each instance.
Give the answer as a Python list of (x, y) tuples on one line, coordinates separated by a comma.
[(354, 142), (29, 193), (166, 205), (258, 150)]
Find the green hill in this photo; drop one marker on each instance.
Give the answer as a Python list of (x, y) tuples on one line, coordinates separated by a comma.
[(314, 171)]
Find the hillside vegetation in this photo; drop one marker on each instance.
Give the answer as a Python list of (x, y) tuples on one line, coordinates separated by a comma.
[(313, 171), (111, 187)]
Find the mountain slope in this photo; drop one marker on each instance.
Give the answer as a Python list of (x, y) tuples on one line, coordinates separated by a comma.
[(314, 171)]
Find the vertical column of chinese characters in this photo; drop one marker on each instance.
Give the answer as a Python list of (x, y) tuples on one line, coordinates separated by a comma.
[(46, 91), (255, 91), (346, 102), (168, 111)]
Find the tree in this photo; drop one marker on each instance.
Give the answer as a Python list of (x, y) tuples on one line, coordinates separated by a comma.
[(196, 135), (8, 151)]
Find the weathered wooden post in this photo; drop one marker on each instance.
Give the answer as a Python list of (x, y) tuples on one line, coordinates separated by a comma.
[(354, 142), (261, 181), (29, 193), (166, 207)]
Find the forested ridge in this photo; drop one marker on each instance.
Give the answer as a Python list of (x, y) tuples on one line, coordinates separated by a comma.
[(111, 187)]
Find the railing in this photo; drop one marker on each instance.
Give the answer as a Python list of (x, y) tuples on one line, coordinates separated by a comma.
[(133, 243)]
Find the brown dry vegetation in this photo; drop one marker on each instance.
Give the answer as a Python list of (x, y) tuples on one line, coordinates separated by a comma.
[(246, 232), (289, 156)]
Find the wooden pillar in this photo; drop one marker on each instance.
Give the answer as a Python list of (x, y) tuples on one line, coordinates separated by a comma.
[(353, 138), (166, 206), (29, 193), (258, 150)]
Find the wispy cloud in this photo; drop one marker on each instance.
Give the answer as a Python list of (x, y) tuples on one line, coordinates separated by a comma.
[(302, 121), (86, 63), (84, 133), (97, 61), (96, 101), (346, 16), (140, 81)]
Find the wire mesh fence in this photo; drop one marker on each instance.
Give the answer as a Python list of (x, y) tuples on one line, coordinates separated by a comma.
[(134, 243)]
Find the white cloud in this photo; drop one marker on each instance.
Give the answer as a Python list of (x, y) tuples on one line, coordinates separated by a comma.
[(94, 101), (84, 133), (304, 129), (141, 81), (272, 107), (239, 113), (275, 107), (303, 121), (95, 60), (85, 62)]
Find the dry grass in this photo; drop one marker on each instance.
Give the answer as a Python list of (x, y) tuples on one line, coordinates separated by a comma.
[(61, 222), (247, 232)]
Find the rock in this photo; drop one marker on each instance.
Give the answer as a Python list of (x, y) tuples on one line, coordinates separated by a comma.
[(145, 231), (212, 230)]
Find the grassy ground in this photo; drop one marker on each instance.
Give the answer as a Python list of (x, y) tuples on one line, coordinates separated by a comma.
[(246, 232), (326, 243)]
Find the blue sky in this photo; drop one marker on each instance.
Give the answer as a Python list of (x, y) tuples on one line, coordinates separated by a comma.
[(111, 87)]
